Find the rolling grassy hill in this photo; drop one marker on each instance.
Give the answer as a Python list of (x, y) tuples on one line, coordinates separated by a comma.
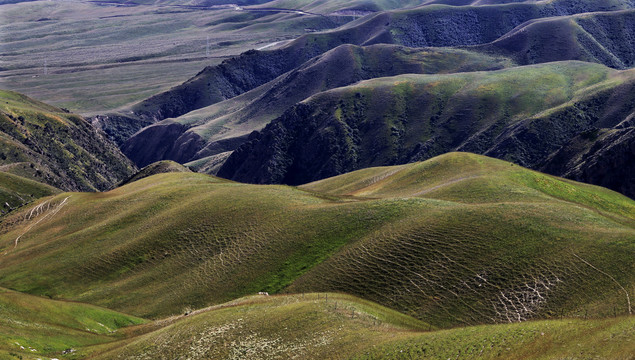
[(34, 327), (334, 326), (521, 114), (16, 191), (459, 239), (312, 326), (224, 126), (52, 146)]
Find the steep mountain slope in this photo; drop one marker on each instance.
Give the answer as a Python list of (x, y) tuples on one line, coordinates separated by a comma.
[(333, 326), (459, 239), (522, 114), (605, 38), (34, 327), (429, 25), (52, 146), (224, 126), (589, 157)]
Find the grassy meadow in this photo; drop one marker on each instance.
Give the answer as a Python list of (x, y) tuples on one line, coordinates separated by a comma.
[(35, 327), (492, 243)]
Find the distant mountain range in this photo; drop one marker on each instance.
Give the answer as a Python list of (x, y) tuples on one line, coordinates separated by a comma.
[(204, 120)]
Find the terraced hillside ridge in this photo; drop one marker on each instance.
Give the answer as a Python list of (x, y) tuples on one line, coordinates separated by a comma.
[(604, 37), (16, 191), (32, 327), (335, 326), (51, 146), (159, 167), (224, 126), (522, 114), (425, 26), (456, 240)]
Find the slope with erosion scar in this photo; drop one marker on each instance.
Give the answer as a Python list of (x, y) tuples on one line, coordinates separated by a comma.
[(410, 246), (16, 191)]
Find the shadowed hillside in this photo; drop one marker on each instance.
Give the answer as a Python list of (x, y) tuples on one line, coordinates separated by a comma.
[(596, 152), (430, 25), (522, 114), (52, 146), (459, 239), (224, 126), (604, 38)]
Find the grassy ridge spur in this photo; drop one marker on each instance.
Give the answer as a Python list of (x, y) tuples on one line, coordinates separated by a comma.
[(459, 239)]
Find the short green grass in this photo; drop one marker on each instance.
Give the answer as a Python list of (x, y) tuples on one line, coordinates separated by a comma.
[(33, 327), (160, 167), (507, 245), (16, 191), (335, 326)]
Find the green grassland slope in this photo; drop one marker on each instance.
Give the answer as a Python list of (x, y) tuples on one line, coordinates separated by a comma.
[(225, 125), (310, 326), (335, 326), (32, 327), (459, 239), (51, 146), (522, 114), (16, 191)]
